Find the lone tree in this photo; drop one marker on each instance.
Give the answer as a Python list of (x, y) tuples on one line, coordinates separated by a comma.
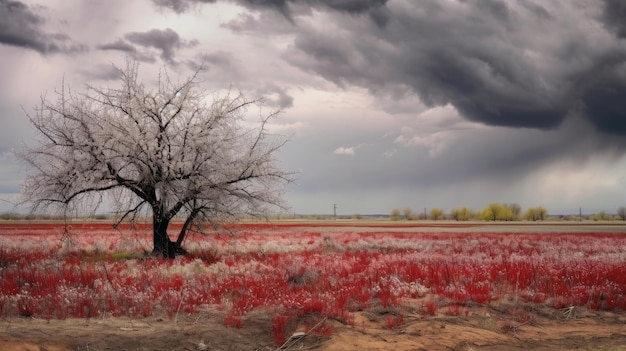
[(164, 151)]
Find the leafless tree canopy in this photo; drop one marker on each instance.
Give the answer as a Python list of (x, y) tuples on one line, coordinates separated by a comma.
[(165, 149)]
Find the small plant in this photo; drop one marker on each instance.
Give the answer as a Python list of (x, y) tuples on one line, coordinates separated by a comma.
[(509, 327), (26, 306), (429, 307), (279, 326), (522, 316), (457, 310), (393, 322)]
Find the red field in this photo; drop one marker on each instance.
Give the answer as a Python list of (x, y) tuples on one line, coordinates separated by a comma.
[(313, 277)]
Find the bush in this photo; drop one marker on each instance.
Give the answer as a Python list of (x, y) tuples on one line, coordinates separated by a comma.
[(395, 214), (436, 214), (461, 214), (601, 216), (536, 214), (408, 214)]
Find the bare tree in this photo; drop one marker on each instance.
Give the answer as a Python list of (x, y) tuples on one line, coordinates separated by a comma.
[(164, 151)]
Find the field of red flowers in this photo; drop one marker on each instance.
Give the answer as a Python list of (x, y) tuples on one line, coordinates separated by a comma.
[(298, 272)]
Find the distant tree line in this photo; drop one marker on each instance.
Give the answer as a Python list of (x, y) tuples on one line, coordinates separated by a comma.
[(499, 212)]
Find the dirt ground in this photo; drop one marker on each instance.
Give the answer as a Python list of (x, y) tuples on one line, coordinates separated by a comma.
[(483, 328)]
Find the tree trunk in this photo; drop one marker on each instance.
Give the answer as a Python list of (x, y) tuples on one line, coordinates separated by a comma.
[(186, 225), (163, 246), (160, 238)]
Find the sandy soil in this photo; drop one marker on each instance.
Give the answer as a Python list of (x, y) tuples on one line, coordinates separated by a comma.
[(484, 328)]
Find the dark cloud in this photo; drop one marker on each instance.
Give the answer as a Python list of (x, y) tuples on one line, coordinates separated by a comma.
[(379, 15), (179, 6), (497, 9), (614, 16), (353, 7), (260, 24), (479, 56), (283, 6), (128, 49), (119, 45), (276, 97), (167, 41), (535, 8), (606, 106), (483, 87), (349, 6), (278, 5), (21, 26), (445, 59), (284, 99), (604, 92)]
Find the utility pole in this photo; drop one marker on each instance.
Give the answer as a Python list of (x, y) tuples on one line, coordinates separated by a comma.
[(335, 211)]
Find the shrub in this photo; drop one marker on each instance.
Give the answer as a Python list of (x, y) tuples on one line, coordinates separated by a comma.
[(536, 214), (395, 214), (436, 214), (461, 214)]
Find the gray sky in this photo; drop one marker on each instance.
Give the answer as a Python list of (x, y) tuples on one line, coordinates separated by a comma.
[(430, 103)]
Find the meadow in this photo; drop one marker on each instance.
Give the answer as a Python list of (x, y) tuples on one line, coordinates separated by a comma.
[(308, 273)]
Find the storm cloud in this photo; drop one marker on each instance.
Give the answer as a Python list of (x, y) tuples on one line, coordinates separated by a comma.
[(479, 56), (167, 41), (348, 6), (615, 17), (119, 45), (489, 67), (180, 6), (22, 26)]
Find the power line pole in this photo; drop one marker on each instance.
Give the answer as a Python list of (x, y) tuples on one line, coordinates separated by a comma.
[(335, 211)]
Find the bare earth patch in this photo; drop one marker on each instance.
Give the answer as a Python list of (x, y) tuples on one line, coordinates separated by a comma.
[(483, 328)]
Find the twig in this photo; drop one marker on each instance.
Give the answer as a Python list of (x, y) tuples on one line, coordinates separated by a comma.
[(182, 298), (293, 340), (566, 312)]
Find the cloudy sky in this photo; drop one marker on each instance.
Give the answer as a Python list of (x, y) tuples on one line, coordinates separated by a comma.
[(389, 103)]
